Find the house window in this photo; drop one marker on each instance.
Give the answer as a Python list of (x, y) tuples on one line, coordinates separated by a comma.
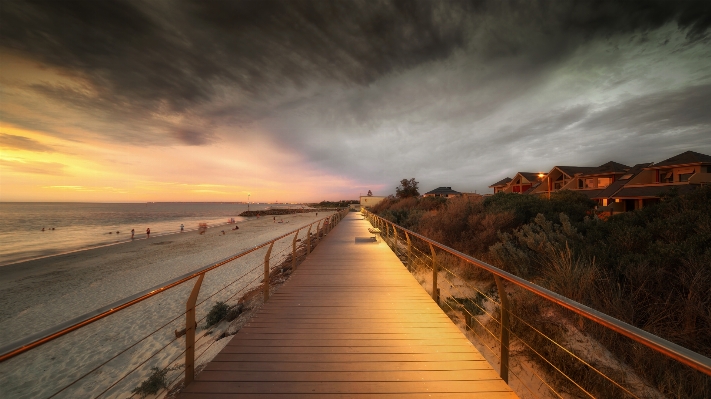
[(603, 182), (589, 183), (666, 176), (580, 183), (685, 176), (557, 185)]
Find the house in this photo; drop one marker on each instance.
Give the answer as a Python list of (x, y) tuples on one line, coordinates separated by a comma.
[(603, 197), (523, 182), (500, 185), (683, 172), (589, 180), (559, 177), (592, 183), (445, 192), (366, 201)]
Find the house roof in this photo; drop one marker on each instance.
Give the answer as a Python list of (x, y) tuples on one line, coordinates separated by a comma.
[(610, 190), (684, 158), (530, 176), (612, 167), (501, 182), (533, 187), (573, 170), (652, 191), (590, 193), (443, 190)]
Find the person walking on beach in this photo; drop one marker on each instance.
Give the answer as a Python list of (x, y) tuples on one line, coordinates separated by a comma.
[(181, 227), (148, 232), (132, 233)]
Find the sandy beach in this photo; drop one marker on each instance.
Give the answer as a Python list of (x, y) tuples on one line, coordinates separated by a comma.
[(40, 294)]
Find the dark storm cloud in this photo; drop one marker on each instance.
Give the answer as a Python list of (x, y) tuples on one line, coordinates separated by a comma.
[(657, 112), (141, 52)]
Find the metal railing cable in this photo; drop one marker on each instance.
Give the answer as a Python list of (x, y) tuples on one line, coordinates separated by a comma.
[(492, 351), (136, 368), (660, 345), (116, 355), (566, 350), (491, 317)]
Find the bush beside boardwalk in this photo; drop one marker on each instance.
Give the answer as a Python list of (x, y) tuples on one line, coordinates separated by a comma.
[(650, 268)]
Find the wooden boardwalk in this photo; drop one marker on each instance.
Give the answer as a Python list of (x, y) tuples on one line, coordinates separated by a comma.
[(350, 322)]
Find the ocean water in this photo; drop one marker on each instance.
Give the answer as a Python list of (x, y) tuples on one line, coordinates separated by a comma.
[(84, 225)]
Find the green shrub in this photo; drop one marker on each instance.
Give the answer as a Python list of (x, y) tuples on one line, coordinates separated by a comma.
[(217, 313), (155, 382)]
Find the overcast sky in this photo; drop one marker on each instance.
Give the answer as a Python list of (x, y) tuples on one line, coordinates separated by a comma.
[(312, 100)]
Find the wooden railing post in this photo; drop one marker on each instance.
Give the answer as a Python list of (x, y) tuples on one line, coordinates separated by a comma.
[(308, 240), (409, 252), (435, 292), (190, 332), (266, 272), (504, 371), (395, 239), (293, 251), (318, 229)]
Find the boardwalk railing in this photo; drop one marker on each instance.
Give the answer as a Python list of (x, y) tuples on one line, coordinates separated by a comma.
[(108, 352), (543, 335)]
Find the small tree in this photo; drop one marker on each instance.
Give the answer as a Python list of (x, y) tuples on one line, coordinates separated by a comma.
[(408, 188)]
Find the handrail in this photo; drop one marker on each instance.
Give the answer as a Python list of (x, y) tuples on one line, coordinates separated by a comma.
[(25, 344), (670, 349)]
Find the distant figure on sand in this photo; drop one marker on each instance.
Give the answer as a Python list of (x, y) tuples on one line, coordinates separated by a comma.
[(274, 219), (181, 227), (236, 228), (42, 228), (132, 233), (148, 232)]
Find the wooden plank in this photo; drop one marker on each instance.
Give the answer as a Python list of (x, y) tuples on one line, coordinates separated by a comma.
[(314, 348), (353, 376), (346, 357), (449, 395), (351, 366), (372, 387)]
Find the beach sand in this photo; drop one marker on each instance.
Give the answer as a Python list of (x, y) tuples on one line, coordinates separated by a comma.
[(40, 294)]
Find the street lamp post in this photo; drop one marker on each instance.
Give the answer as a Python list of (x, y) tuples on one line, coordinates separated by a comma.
[(248, 202)]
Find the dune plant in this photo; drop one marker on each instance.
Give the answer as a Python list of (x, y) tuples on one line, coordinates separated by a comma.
[(154, 383), (218, 312)]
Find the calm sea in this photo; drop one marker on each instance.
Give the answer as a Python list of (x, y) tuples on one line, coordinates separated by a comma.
[(82, 225)]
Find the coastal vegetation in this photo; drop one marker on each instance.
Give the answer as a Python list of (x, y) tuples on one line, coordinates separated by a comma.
[(650, 268), (333, 204), (218, 312)]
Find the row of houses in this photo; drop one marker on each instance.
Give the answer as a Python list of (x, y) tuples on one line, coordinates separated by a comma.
[(614, 186)]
